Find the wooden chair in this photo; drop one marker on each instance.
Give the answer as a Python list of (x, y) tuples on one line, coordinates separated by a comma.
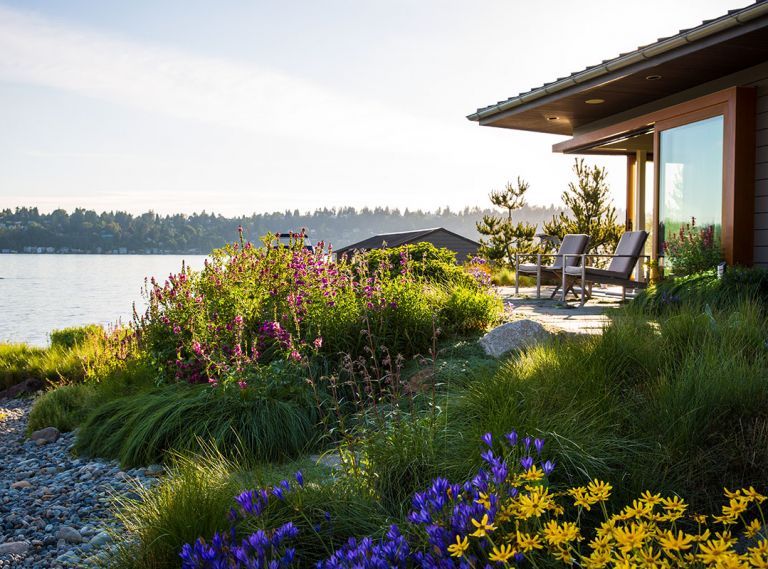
[(619, 271), (573, 247)]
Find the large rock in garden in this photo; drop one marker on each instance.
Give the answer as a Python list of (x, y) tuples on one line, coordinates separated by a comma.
[(14, 548), (514, 335), (46, 435), (26, 387)]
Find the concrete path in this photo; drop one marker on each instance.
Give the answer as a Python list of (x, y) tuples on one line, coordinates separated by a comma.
[(553, 314)]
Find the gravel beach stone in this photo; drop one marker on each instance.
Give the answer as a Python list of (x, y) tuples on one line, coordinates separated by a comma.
[(55, 508)]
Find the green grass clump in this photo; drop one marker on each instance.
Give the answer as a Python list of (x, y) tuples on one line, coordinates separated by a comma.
[(194, 498), (469, 311), (72, 337), (505, 276), (72, 357), (63, 408), (140, 428)]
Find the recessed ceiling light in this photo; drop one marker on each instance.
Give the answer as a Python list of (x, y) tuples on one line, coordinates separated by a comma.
[(552, 118), (594, 101), (653, 77)]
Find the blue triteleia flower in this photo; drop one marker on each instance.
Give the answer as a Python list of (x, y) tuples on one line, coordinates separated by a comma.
[(526, 462), (527, 443), (548, 467), (488, 439), (512, 438), (539, 445), (300, 478)]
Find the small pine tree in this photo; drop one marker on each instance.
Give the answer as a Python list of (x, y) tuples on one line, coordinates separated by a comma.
[(588, 209), (504, 237)]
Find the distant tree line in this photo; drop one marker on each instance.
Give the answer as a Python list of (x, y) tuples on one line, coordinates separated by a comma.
[(89, 231)]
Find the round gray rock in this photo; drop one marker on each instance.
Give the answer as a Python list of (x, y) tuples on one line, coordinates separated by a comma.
[(48, 435), (515, 335), (14, 548)]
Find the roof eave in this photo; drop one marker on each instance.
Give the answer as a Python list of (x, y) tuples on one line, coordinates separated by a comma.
[(647, 53)]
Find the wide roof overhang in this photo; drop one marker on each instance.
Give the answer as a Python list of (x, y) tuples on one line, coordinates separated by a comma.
[(714, 49)]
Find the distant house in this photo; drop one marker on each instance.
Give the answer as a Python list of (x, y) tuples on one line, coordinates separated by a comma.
[(438, 236), (689, 112)]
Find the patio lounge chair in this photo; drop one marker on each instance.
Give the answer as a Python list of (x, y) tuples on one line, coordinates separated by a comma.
[(619, 271), (573, 245)]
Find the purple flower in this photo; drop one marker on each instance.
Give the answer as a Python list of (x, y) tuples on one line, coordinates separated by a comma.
[(526, 462), (300, 478), (512, 438), (488, 439), (539, 444)]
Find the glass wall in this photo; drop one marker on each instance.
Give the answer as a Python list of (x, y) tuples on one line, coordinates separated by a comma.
[(690, 177)]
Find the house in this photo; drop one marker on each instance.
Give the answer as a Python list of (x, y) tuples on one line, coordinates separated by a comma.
[(689, 112), (438, 236)]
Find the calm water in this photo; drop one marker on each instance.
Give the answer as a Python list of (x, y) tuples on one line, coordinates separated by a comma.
[(39, 293)]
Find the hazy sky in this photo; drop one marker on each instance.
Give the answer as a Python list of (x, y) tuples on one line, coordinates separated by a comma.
[(242, 106)]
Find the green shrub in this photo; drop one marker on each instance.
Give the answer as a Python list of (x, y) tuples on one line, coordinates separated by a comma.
[(69, 338), (140, 428), (469, 310), (252, 306), (64, 407), (434, 265)]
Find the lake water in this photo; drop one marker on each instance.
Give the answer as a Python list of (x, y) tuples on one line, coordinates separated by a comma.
[(39, 293)]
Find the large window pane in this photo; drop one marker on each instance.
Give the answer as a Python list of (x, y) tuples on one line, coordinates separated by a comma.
[(690, 176)]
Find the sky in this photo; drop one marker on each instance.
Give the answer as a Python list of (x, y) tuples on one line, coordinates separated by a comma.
[(236, 106)]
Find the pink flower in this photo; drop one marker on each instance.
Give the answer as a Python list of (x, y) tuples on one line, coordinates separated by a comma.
[(296, 356), (318, 343), (242, 384), (197, 348)]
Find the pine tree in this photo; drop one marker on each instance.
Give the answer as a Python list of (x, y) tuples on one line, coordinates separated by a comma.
[(505, 238), (588, 209)]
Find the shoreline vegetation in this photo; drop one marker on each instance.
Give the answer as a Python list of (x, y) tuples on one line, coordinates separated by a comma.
[(312, 412), (89, 232)]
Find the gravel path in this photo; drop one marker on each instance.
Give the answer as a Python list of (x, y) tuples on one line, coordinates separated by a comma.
[(54, 507)]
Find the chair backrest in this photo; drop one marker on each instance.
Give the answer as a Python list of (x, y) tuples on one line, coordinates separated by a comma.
[(627, 252), (572, 244)]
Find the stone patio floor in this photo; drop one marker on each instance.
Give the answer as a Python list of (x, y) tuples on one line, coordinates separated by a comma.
[(559, 316)]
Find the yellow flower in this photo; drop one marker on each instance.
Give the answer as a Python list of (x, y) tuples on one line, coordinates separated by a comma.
[(671, 542), (735, 507), (581, 498), (761, 548), (713, 551), (598, 559), (501, 553), (630, 538), (533, 474), (599, 489), (457, 549), (753, 528), (699, 518), (674, 503), (753, 495), (563, 555), (483, 527), (534, 504), (484, 501), (527, 542), (649, 558), (651, 499)]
